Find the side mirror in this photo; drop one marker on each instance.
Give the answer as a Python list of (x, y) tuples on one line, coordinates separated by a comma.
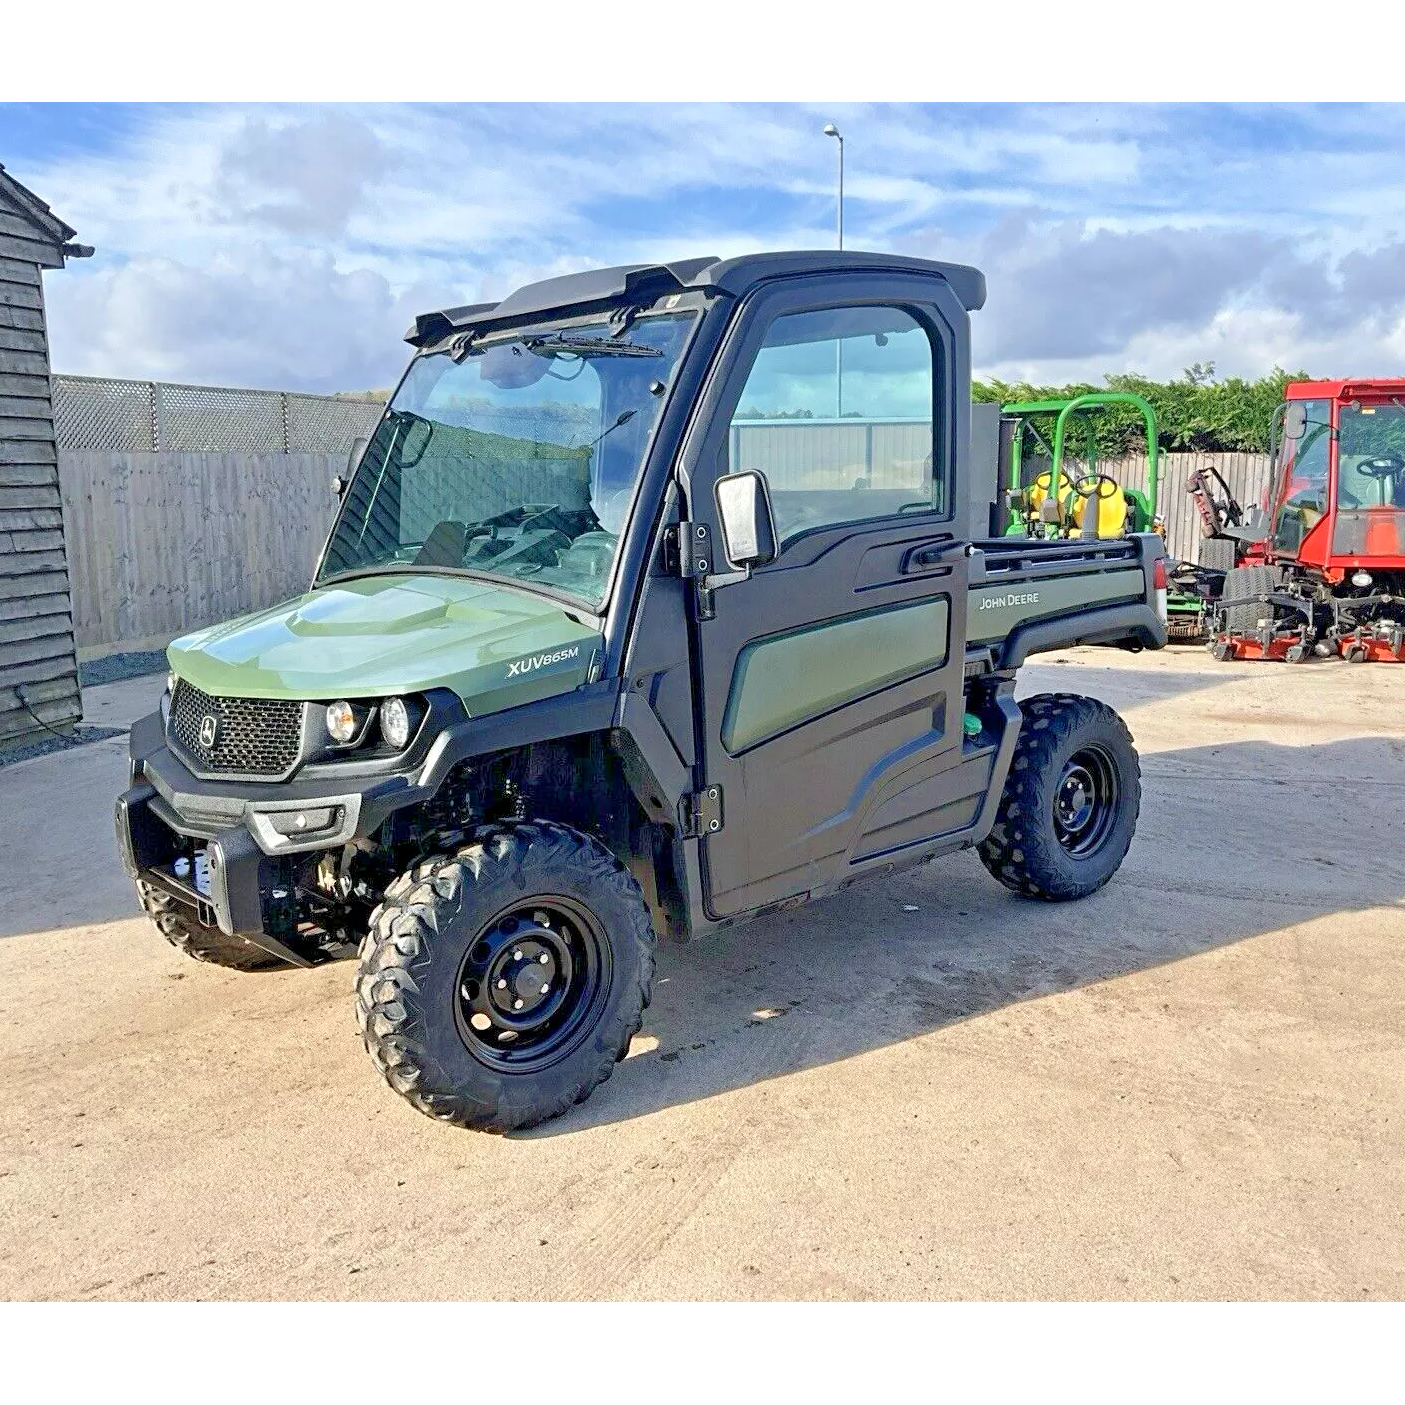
[(341, 482), (1295, 420), (744, 513)]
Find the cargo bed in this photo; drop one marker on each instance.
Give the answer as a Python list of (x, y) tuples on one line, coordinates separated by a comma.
[(1028, 595)]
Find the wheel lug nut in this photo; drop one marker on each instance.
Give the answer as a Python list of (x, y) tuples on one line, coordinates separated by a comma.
[(517, 955), (545, 988), (545, 958), (516, 1004), (502, 985)]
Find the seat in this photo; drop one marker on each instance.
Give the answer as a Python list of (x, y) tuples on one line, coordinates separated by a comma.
[(1111, 515), (1041, 490), (444, 546)]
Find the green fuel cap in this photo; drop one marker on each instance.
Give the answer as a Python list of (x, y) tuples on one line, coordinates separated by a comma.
[(970, 724)]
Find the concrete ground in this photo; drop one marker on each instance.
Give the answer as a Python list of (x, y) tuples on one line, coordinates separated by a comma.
[(1188, 1086)]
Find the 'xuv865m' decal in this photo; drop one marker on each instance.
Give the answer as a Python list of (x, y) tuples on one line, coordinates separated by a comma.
[(520, 668)]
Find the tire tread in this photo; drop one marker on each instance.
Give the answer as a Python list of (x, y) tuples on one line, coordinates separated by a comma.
[(1241, 582), (400, 939), (1019, 851), (194, 939)]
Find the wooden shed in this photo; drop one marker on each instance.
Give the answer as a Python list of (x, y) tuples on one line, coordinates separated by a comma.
[(38, 665)]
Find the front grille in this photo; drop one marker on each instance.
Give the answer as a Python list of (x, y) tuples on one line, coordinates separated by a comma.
[(253, 736)]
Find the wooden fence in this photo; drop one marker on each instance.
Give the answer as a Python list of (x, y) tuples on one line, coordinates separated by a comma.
[(160, 544), (1246, 474)]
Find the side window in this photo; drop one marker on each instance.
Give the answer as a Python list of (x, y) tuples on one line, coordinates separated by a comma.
[(837, 413)]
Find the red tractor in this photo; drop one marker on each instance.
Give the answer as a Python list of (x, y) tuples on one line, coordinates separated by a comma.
[(1319, 569)]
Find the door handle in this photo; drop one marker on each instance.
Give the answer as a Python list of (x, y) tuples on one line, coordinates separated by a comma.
[(924, 558)]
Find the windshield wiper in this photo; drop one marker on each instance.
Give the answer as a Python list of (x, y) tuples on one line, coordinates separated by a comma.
[(587, 346)]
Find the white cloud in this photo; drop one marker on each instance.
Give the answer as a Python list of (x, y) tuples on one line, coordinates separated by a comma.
[(305, 176), (1244, 341), (292, 245), (264, 317), (1065, 292)]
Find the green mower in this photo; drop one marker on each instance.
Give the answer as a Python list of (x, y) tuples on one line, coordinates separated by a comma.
[(1061, 501)]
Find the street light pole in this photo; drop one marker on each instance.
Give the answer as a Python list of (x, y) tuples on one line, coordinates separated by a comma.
[(832, 131)]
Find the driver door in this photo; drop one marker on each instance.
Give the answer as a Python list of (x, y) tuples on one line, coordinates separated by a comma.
[(831, 681), (1304, 475)]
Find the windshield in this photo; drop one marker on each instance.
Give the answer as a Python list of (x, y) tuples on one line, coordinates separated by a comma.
[(1371, 455), (1370, 480), (519, 459)]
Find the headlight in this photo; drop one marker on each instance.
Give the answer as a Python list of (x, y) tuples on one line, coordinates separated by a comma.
[(395, 722), (341, 722), (1361, 579), (171, 681)]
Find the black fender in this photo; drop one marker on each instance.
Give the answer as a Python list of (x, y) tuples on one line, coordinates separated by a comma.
[(1137, 624)]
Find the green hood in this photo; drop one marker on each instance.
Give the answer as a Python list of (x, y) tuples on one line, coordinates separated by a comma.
[(494, 646)]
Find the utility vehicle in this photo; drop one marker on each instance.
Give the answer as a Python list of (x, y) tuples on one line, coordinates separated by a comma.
[(661, 597), (1319, 568)]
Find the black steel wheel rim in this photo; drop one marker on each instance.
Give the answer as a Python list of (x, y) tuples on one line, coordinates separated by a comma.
[(531, 984), (1085, 801)]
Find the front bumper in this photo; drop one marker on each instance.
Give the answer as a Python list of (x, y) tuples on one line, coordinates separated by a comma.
[(252, 834), (245, 889), (335, 807), (252, 827)]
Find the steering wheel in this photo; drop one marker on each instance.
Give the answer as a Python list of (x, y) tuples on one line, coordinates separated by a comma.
[(1387, 466), (1096, 491), (611, 508)]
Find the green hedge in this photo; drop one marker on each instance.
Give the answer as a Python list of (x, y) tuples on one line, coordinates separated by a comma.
[(1195, 412)]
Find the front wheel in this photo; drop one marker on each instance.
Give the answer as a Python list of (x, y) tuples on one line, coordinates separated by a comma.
[(1241, 583), (183, 929), (1070, 803), (500, 984)]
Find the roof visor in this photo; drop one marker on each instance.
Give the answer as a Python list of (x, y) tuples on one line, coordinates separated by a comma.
[(645, 283), (571, 292)]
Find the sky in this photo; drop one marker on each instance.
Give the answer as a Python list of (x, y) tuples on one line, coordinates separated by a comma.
[(290, 246)]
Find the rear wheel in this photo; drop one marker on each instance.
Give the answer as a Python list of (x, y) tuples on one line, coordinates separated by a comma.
[(179, 925), (500, 984), (1070, 803), (1242, 582)]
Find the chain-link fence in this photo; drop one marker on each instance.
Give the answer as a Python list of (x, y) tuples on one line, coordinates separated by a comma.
[(132, 416)]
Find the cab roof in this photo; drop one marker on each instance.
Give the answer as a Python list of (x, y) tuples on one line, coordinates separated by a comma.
[(641, 282), (1360, 388)]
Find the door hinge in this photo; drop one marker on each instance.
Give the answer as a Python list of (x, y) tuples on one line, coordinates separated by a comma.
[(702, 812), (689, 549)]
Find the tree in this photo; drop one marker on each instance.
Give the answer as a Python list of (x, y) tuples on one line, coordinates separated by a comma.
[(1195, 412)]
